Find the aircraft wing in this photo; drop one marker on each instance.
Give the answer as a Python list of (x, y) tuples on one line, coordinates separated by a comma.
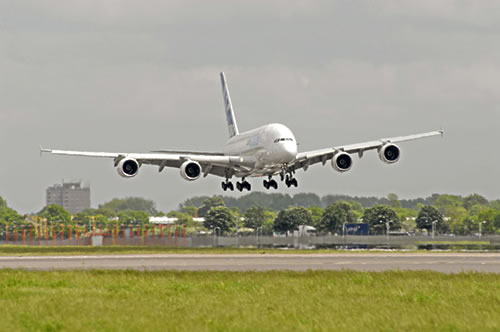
[(211, 163), (306, 159)]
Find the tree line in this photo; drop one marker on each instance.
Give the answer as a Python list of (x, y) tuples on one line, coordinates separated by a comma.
[(443, 213), (269, 213)]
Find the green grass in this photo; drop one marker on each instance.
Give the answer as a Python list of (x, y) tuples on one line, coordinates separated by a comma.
[(255, 301), (13, 250), (9, 250)]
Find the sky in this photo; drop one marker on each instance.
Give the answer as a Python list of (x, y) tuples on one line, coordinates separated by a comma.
[(136, 76)]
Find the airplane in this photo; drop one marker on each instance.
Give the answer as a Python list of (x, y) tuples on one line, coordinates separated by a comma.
[(267, 151)]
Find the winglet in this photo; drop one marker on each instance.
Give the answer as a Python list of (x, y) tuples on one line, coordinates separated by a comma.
[(441, 131)]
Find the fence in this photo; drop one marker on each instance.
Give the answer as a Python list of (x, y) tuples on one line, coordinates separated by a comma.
[(47, 234), (175, 236)]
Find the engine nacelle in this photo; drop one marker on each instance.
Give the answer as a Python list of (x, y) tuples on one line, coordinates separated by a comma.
[(190, 170), (128, 167), (342, 162), (389, 153)]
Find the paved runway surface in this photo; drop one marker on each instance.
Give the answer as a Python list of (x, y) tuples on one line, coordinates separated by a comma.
[(442, 262)]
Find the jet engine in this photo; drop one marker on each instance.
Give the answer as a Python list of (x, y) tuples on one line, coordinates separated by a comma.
[(128, 167), (342, 162), (389, 153), (190, 170)]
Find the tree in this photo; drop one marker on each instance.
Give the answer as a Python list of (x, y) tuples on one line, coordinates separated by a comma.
[(56, 213), (182, 218), (495, 204), (487, 218), (101, 219), (267, 227), (191, 210), (335, 216), (259, 217), (429, 214), (474, 199), (290, 219), (130, 203), (448, 204), (255, 217), (210, 203), (136, 217), (219, 216), (3, 202), (394, 201), (496, 222), (306, 200), (82, 217), (378, 216), (316, 214), (8, 215), (196, 201)]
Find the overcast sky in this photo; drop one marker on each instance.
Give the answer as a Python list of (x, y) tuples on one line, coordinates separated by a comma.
[(134, 76)]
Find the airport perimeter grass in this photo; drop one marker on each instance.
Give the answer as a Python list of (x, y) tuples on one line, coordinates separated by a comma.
[(248, 301), (13, 250)]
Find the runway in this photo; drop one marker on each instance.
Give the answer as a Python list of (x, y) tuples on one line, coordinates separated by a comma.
[(441, 262)]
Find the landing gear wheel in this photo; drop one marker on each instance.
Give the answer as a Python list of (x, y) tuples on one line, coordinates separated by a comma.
[(247, 186), (273, 184), (230, 186), (239, 186), (266, 184), (224, 186), (294, 183)]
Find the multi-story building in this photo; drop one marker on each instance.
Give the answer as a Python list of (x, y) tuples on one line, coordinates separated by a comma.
[(72, 196)]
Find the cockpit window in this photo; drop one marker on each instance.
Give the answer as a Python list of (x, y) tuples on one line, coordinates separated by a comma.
[(283, 140)]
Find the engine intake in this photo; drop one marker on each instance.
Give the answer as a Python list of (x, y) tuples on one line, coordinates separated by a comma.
[(342, 162), (128, 167), (389, 153), (190, 170)]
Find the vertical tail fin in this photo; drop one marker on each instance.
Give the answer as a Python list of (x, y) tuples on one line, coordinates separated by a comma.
[(231, 121)]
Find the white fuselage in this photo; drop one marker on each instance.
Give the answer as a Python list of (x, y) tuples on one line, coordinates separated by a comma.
[(272, 146)]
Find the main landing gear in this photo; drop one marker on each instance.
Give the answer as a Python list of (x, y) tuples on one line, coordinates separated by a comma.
[(227, 185), (243, 185), (270, 184), (291, 181)]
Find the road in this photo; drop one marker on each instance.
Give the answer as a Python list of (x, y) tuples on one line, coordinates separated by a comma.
[(442, 262)]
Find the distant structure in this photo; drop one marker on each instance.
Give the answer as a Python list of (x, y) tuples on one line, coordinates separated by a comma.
[(72, 196)]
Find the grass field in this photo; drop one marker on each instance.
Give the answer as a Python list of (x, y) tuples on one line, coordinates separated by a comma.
[(12, 250), (255, 301), (7, 250)]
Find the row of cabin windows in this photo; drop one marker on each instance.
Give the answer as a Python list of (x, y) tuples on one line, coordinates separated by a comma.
[(283, 140)]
